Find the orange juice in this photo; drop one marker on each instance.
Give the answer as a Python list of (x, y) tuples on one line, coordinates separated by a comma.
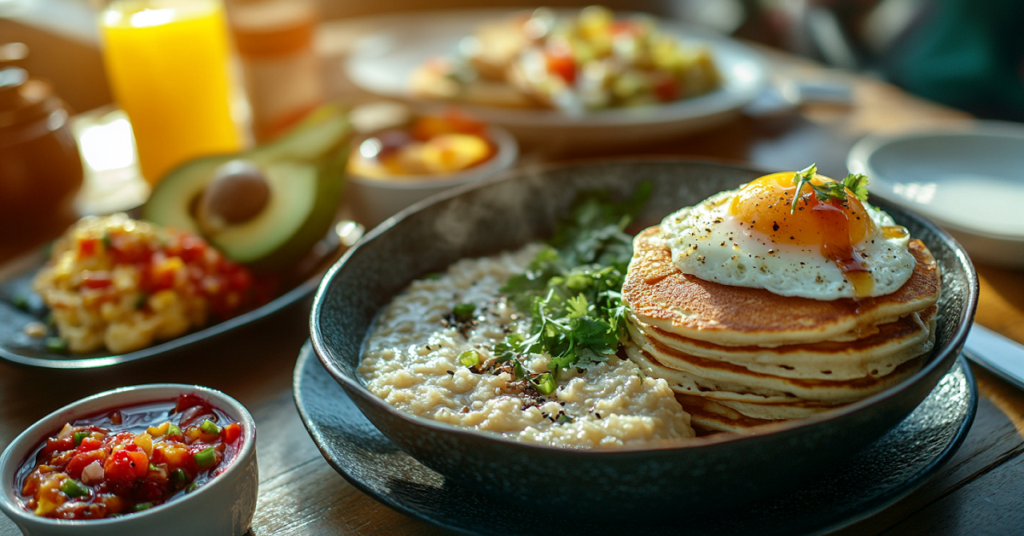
[(168, 65)]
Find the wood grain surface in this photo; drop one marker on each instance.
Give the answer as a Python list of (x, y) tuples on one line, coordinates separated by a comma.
[(981, 491)]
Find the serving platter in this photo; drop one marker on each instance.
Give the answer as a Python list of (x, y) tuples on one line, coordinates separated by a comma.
[(20, 305), (876, 477), (393, 46)]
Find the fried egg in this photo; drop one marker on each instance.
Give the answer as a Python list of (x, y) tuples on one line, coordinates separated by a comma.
[(823, 250)]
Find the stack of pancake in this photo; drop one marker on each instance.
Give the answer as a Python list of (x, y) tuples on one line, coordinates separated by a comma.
[(739, 357)]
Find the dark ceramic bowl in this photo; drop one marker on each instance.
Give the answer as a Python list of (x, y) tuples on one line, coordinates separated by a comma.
[(710, 473)]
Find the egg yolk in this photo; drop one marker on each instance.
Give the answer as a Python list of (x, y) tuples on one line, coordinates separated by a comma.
[(764, 205)]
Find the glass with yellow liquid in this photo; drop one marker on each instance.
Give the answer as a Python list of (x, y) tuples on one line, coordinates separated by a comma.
[(168, 62)]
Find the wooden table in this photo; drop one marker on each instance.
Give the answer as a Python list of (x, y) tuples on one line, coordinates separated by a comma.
[(980, 490)]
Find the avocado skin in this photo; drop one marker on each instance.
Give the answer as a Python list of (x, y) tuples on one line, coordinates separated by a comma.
[(330, 162)]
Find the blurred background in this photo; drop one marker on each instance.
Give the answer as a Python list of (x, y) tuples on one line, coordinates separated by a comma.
[(135, 89), (966, 54)]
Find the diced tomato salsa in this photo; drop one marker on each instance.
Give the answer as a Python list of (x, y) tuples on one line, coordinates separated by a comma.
[(122, 283), (129, 460)]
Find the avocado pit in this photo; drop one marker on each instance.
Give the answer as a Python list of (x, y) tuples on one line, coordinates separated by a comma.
[(237, 193)]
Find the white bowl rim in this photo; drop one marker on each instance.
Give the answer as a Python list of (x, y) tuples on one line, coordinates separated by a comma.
[(859, 161), (503, 158), (219, 400)]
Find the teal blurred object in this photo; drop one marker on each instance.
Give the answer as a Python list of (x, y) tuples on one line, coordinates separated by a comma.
[(967, 54)]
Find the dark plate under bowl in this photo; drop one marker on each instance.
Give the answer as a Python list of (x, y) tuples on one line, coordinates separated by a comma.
[(865, 484), (711, 473)]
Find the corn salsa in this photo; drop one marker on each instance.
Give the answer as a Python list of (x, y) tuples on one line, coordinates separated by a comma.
[(129, 460), (122, 283)]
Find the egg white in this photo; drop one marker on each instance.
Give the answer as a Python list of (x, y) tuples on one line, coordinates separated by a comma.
[(708, 242)]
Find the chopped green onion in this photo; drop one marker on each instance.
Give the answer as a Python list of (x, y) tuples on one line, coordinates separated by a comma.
[(563, 419), (208, 427), (79, 436), (173, 430), (74, 488), (470, 358), (464, 311), (545, 383), (20, 301), (56, 345), (142, 506), (153, 467), (140, 302), (192, 487), (206, 457), (179, 475)]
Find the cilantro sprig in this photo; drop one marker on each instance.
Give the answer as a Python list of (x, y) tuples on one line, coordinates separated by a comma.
[(829, 190), (572, 288)]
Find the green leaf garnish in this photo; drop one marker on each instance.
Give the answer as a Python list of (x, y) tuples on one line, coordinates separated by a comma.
[(572, 288), (802, 177), (507, 350), (577, 306), (829, 191), (858, 184), (519, 370)]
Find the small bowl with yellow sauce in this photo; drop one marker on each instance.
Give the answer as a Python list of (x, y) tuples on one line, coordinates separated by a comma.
[(392, 168)]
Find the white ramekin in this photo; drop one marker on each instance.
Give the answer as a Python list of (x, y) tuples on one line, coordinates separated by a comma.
[(223, 506), (375, 200)]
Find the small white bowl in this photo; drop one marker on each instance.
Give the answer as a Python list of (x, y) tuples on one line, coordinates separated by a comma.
[(223, 506), (375, 200)]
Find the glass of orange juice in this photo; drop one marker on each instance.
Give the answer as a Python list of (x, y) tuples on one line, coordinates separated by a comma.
[(168, 62)]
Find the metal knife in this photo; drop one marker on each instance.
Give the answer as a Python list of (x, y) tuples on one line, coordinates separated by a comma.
[(1000, 355)]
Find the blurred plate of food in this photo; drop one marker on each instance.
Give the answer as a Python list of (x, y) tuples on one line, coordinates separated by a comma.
[(573, 78), (968, 180), (222, 241)]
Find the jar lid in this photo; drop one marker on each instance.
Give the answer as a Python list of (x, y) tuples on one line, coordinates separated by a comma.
[(23, 99)]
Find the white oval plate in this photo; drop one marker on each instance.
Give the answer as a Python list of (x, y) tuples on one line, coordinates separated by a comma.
[(970, 181), (382, 62)]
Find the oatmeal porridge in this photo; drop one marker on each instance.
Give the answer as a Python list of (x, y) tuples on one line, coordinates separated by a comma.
[(431, 352)]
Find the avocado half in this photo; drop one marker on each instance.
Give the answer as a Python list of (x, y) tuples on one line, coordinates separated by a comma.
[(305, 171)]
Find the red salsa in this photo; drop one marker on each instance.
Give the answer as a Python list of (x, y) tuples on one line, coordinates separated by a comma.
[(129, 460)]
